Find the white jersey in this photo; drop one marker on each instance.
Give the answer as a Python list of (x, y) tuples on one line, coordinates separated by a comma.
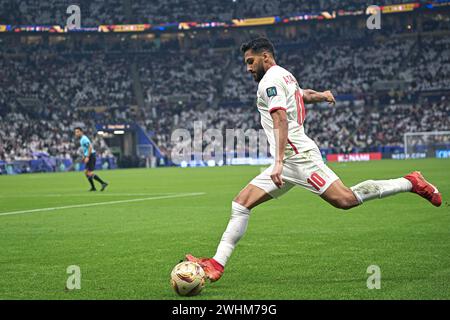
[(279, 89)]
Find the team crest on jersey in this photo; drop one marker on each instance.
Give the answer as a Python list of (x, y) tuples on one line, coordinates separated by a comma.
[(271, 92)]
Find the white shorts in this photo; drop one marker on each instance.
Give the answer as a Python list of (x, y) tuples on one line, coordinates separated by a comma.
[(306, 169)]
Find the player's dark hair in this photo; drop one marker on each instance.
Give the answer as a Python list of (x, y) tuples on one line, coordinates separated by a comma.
[(259, 45), (78, 128)]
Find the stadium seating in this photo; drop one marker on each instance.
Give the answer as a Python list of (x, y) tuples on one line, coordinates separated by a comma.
[(95, 12), (48, 88)]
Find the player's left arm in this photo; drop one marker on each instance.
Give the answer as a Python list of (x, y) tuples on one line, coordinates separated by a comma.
[(310, 96), (86, 159)]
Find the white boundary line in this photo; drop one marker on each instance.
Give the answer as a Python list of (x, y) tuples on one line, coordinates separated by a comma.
[(102, 203), (84, 195)]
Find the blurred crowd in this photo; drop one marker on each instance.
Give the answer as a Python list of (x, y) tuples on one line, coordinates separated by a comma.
[(41, 132), (193, 75), (67, 81), (340, 129), (47, 89), (346, 129), (96, 12)]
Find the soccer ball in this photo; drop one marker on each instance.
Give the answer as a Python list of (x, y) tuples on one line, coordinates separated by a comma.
[(188, 278)]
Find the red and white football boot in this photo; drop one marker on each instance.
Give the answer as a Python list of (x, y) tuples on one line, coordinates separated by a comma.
[(212, 268), (424, 189)]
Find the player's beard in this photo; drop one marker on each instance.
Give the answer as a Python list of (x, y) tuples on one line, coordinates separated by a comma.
[(259, 74)]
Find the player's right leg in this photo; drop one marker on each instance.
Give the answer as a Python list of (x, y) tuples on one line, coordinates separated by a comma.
[(91, 167), (340, 196), (424, 189), (309, 171), (260, 190), (343, 197), (99, 180)]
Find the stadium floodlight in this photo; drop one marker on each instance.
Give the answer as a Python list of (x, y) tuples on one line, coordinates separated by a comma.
[(432, 144)]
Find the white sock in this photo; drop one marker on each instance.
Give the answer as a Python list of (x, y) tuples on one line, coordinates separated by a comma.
[(372, 189), (235, 230)]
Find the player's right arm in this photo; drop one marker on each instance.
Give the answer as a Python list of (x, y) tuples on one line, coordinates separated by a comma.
[(274, 95), (310, 96), (280, 128)]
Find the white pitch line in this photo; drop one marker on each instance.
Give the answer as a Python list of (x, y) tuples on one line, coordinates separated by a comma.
[(102, 203), (84, 195)]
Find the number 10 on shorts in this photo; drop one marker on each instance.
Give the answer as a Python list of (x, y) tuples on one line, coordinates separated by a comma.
[(316, 181)]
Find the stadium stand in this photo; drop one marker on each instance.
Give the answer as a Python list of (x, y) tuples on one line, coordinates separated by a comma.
[(49, 87), (95, 12)]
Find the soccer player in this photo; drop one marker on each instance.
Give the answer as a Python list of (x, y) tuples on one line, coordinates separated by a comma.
[(89, 158), (298, 161)]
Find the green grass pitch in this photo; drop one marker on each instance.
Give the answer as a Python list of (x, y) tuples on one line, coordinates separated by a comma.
[(297, 247)]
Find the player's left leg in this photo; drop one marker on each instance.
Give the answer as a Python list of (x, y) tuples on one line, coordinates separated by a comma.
[(88, 175), (258, 191), (250, 197)]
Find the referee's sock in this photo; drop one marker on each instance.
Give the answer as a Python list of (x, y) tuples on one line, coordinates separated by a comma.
[(97, 178), (91, 181)]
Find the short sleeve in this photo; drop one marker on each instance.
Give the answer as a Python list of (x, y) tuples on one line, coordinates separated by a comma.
[(274, 95), (85, 143)]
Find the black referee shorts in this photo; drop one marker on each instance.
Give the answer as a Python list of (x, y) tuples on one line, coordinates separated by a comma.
[(90, 166)]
